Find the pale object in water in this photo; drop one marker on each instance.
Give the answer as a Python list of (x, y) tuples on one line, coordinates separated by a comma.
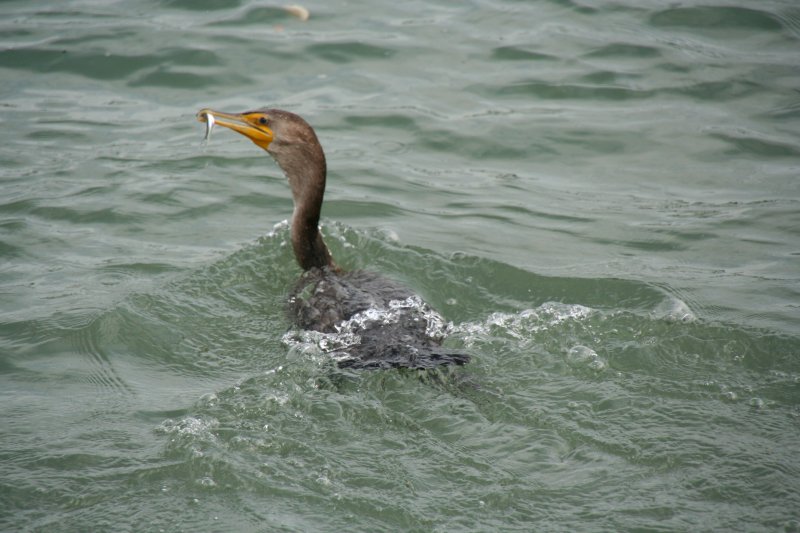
[(298, 11)]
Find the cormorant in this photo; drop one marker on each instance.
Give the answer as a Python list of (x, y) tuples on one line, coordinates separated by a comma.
[(392, 326)]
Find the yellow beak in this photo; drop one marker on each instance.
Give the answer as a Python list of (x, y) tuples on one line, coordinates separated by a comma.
[(248, 124)]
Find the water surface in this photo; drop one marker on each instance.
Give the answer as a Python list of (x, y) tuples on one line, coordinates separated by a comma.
[(599, 197)]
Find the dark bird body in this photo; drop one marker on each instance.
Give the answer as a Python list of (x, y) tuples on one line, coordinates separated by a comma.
[(393, 326)]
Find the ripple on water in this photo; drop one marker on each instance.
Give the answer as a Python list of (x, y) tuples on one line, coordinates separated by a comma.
[(711, 18), (92, 341)]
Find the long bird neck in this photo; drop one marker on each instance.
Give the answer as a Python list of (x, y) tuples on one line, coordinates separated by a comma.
[(308, 188)]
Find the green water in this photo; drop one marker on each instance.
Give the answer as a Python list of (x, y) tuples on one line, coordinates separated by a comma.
[(600, 197)]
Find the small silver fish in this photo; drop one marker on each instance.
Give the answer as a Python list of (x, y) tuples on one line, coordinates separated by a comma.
[(209, 126)]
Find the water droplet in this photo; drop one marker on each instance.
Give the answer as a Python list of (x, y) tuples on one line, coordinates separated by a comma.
[(207, 482), (579, 355), (730, 396), (597, 365)]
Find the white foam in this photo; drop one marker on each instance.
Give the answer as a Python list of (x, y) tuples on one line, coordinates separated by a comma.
[(348, 332), (521, 324)]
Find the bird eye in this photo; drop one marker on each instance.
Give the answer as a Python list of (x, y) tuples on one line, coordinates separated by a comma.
[(262, 120)]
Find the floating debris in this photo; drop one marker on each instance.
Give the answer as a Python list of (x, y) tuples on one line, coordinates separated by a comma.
[(298, 11)]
